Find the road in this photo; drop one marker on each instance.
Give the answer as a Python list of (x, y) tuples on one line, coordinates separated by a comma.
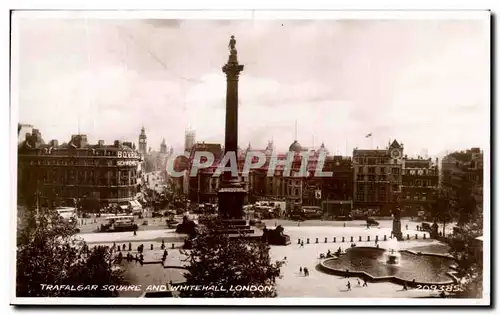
[(384, 223)]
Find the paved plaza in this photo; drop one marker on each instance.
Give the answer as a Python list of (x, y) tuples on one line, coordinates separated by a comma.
[(292, 283)]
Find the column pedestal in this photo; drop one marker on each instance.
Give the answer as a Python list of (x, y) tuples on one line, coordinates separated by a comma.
[(396, 229)]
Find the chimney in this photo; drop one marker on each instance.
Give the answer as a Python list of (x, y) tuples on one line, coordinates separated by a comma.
[(100, 143), (117, 143), (54, 143)]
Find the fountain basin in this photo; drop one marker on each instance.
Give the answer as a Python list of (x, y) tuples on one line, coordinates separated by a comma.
[(371, 262)]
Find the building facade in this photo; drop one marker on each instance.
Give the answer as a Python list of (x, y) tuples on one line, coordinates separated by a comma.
[(419, 185), (75, 171), (377, 177), (463, 169), (337, 190)]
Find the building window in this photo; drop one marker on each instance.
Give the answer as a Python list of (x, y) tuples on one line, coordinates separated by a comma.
[(395, 171), (371, 170)]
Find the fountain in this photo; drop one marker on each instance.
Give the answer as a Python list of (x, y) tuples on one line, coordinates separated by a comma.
[(392, 255), (392, 264)]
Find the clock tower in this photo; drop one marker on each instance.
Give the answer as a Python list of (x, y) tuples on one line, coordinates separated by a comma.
[(143, 142), (396, 152)]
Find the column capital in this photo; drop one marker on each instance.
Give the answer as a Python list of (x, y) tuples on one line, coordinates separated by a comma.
[(232, 69)]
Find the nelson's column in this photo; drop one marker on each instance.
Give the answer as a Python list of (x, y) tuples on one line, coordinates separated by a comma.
[(231, 194)]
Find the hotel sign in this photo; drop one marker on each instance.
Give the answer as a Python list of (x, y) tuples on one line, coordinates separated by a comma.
[(126, 163), (127, 155)]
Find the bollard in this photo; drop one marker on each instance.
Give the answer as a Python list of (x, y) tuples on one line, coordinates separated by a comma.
[(368, 238), (360, 238), (316, 240), (424, 236), (407, 236), (342, 239), (416, 236), (385, 237), (334, 239), (326, 240), (298, 241), (151, 246), (308, 241), (352, 239)]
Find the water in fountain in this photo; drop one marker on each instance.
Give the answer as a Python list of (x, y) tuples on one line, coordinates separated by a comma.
[(392, 255)]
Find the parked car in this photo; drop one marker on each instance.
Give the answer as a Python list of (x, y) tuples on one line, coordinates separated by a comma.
[(371, 221), (426, 226)]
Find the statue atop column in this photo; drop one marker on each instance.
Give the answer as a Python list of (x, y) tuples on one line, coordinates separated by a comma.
[(232, 50), (232, 45)]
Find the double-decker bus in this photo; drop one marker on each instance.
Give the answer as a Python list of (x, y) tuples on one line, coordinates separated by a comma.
[(67, 213), (119, 223)]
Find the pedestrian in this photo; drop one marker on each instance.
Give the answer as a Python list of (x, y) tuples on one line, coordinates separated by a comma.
[(344, 224), (405, 286), (364, 283), (407, 226), (348, 286), (347, 273), (359, 283), (135, 233), (300, 270)]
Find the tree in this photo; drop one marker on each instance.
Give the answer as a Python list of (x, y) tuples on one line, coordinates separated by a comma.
[(222, 261), (467, 250), (49, 253), (442, 210)]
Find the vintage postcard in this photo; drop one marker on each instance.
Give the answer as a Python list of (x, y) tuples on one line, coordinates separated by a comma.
[(206, 157)]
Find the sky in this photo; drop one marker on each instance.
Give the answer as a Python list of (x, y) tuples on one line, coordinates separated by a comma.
[(424, 82)]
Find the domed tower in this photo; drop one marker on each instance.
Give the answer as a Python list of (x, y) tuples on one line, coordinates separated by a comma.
[(295, 147), (143, 142)]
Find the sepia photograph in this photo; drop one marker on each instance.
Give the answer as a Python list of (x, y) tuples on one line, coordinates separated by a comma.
[(261, 154)]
